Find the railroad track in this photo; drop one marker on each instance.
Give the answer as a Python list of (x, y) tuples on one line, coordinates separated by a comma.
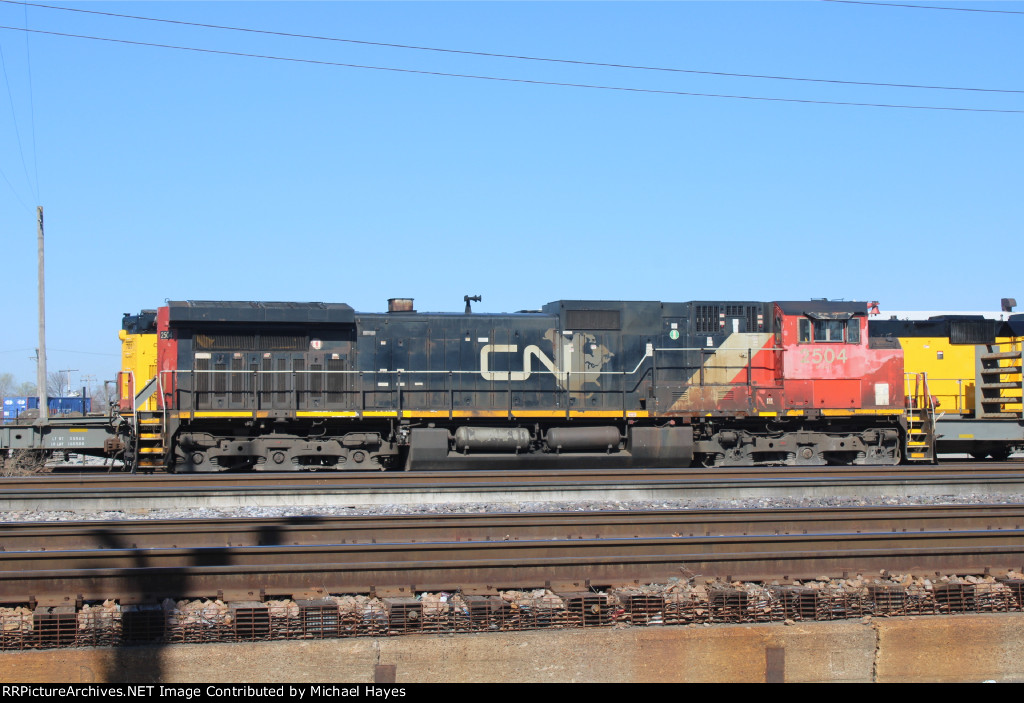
[(75, 476), (244, 560), (148, 492)]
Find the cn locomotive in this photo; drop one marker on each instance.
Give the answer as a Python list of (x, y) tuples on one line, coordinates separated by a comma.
[(274, 386)]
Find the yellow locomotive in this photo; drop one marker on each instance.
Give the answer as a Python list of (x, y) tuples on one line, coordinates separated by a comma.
[(970, 366)]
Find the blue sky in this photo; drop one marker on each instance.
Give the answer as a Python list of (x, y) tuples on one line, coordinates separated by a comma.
[(169, 174)]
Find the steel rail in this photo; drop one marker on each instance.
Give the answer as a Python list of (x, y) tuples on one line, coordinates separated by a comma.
[(467, 477), (139, 494), (487, 565), (308, 531), (259, 572)]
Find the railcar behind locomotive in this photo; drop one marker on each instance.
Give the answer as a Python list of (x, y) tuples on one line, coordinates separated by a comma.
[(972, 364), (272, 386)]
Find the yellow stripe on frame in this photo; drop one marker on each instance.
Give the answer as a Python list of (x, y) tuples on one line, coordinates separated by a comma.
[(859, 411), (184, 415)]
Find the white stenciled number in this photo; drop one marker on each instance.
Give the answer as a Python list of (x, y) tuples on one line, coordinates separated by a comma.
[(822, 357)]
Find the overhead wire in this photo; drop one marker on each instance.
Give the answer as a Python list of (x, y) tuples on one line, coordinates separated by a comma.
[(32, 108), (517, 80), (17, 132), (520, 57), (928, 7)]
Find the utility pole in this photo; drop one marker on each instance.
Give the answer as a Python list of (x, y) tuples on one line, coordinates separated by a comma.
[(68, 372), (87, 382), (41, 353)]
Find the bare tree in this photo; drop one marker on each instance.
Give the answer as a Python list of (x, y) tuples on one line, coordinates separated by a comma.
[(6, 384), (103, 394), (55, 384), (27, 388)]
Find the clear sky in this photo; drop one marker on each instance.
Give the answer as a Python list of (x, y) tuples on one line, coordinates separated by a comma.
[(170, 174)]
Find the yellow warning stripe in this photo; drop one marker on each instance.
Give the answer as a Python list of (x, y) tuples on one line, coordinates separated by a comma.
[(419, 413), (856, 411)]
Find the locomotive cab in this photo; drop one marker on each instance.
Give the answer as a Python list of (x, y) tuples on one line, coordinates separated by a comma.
[(828, 363), (833, 398)]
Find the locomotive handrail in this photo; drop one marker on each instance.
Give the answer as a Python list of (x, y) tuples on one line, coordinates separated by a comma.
[(252, 395), (163, 399), (131, 382)]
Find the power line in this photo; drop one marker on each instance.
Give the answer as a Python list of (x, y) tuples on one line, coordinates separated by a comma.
[(14, 118), (79, 351), (15, 192), (520, 57), (515, 80), (925, 7), (32, 109)]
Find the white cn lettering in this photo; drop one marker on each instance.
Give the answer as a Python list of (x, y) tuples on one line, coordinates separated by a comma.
[(530, 351)]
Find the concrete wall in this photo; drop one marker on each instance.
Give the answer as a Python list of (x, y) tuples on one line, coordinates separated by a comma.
[(947, 648)]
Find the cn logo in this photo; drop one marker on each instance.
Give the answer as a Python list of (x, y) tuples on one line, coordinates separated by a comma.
[(532, 351)]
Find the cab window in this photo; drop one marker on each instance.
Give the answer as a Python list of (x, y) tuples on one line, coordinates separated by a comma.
[(853, 331), (805, 329), (827, 331)]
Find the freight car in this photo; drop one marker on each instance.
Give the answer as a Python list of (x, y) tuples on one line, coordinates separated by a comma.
[(270, 386), (973, 368)]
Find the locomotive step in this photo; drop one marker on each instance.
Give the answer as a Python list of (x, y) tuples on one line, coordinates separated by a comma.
[(1001, 355), (1001, 370)]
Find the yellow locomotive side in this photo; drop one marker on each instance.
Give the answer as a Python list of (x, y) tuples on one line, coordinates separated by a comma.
[(138, 366), (949, 368), (953, 371)]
